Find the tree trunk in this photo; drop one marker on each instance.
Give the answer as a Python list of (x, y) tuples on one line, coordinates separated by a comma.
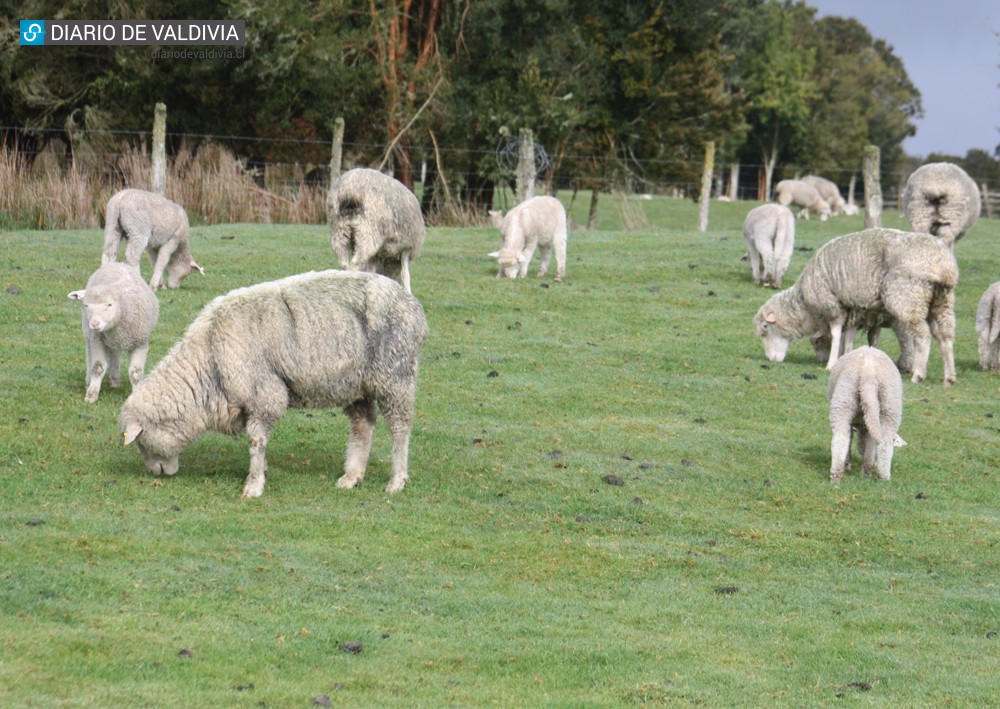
[(734, 180), (592, 214)]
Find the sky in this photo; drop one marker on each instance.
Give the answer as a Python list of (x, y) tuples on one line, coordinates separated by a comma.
[(951, 52)]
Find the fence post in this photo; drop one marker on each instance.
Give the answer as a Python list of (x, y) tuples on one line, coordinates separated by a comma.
[(525, 165), (337, 151), (159, 178), (706, 185), (987, 205), (873, 187)]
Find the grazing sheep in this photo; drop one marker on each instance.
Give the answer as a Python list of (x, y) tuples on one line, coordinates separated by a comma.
[(318, 339), (866, 393), (769, 231), (804, 195), (119, 313), (829, 191), (536, 222), (378, 220), (988, 327), (152, 223), (942, 200), (910, 277)]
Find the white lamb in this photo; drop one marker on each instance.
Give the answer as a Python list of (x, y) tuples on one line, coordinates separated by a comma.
[(910, 277), (988, 327), (119, 313), (331, 338), (769, 231), (942, 200), (829, 191), (866, 393), (803, 195), (153, 224), (536, 222), (375, 224)]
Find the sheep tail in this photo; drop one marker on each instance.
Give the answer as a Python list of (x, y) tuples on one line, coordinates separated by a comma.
[(871, 407)]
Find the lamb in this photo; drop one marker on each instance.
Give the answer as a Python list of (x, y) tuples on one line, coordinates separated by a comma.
[(942, 200), (769, 231), (866, 393), (378, 219), (988, 327), (119, 313), (153, 224), (317, 339), (829, 191), (910, 277), (802, 195), (536, 222)]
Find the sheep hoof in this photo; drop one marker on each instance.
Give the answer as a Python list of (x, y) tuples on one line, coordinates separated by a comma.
[(395, 485), (348, 481)]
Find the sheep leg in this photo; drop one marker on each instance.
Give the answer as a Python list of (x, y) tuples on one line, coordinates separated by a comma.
[(115, 368), (836, 327), (137, 364), (259, 432), (840, 452), (883, 459), (849, 334), (525, 259), (138, 239), (359, 443), (756, 268), (868, 447), (159, 259), (560, 248), (942, 328), (545, 255), (404, 271), (97, 366), (112, 240), (400, 419)]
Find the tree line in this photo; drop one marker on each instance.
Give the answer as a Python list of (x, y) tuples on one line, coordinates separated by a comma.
[(619, 92)]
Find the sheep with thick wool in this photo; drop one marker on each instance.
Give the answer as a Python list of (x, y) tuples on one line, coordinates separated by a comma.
[(910, 277), (988, 327), (314, 340), (538, 222), (866, 394), (804, 195), (119, 313), (829, 191), (942, 200), (154, 224), (769, 232), (375, 224)]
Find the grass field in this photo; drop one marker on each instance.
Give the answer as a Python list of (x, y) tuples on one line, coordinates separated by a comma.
[(724, 569)]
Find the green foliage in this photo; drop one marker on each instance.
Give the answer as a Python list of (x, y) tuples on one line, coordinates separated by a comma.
[(724, 571)]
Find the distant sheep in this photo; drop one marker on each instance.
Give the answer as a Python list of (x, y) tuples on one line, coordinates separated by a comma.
[(988, 327), (375, 224), (804, 195), (536, 222), (319, 339), (153, 224), (829, 191), (769, 231), (910, 277), (942, 200), (866, 394), (119, 313)]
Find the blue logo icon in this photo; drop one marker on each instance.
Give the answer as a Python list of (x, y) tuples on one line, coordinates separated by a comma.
[(32, 33)]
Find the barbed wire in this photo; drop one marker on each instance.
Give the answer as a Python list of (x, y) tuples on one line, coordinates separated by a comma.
[(509, 156)]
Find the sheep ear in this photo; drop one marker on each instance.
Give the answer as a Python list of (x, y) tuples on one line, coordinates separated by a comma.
[(521, 258), (130, 433), (771, 318), (495, 254), (196, 266), (898, 442), (76, 295)]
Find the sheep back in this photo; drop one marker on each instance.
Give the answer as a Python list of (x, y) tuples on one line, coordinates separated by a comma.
[(941, 199)]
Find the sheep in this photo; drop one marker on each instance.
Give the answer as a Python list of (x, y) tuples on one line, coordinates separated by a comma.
[(802, 195), (942, 200), (153, 224), (988, 327), (910, 277), (536, 222), (769, 231), (119, 313), (829, 191), (317, 339), (378, 219), (866, 393)]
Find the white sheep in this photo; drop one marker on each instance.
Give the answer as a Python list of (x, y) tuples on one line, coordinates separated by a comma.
[(538, 222), (910, 277), (119, 313), (988, 327), (318, 339), (375, 224), (769, 231), (153, 224), (829, 191), (804, 195), (942, 200), (865, 393)]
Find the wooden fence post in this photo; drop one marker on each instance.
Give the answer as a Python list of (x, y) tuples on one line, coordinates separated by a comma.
[(706, 185), (525, 165), (337, 151), (873, 187), (159, 177)]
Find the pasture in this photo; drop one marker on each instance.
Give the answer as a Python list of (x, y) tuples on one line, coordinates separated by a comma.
[(614, 499)]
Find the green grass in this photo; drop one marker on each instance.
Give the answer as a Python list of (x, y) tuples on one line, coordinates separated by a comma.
[(726, 570)]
